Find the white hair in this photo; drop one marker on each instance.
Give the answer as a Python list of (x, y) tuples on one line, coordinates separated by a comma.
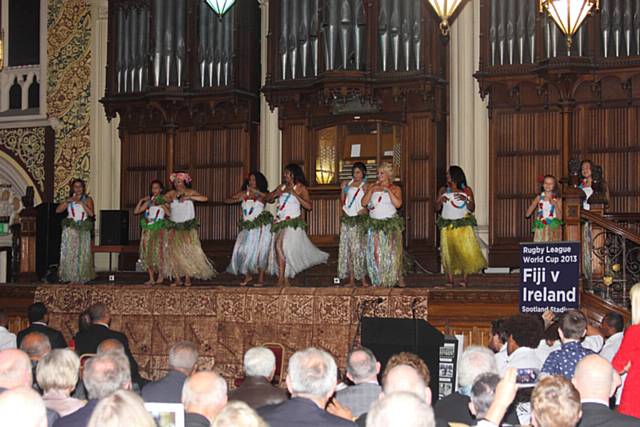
[(361, 368), (214, 393), (259, 362), (475, 361), (312, 372), (106, 374), (15, 369), (400, 409), (121, 409), (22, 407), (183, 355), (58, 370), (238, 414), (405, 379)]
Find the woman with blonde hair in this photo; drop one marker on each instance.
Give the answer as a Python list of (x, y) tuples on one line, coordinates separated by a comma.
[(122, 409), (57, 375)]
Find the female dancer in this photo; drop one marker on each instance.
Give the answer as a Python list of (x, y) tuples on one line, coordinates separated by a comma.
[(384, 234), (153, 241), (76, 259), (352, 261), (459, 248), (251, 251), (547, 227), (189, 260), (291, 249)]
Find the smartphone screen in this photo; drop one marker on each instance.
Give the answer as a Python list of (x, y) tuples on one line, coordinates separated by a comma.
[(527, 377)]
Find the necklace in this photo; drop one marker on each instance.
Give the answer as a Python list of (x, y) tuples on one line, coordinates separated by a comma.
[(355, 196), (552, 209)]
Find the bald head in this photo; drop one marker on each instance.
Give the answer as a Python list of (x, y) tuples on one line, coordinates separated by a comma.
[(36, 345), (362, 366), (22, 407), (595, 378), (404, 378), (111, 344), (205, 393), (15, 369)]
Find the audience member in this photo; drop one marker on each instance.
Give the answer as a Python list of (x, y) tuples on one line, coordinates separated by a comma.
[(256, 390), (110, 345), (121, 409), (238, 414), (482, 393), (474, 362), (203, 396), (36, 345), (572, 329), (401, 409), (612, 330), (524, 333), (102, 375), (7, 339), (555, 403), (22, 407), (57, 375), (549, 343), (498, 343), (183, 357), (362, 370), (311, 380), (38, 322), (409, 359)]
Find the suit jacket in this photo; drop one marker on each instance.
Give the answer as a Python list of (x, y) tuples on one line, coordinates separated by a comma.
[(300, 412), (596, 414), (258, 392), (195, 420), (454, 408), (358, 398), (80, 418), (165, 390), (55, 336)]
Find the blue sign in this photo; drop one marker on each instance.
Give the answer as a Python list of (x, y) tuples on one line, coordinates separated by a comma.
[(549, 276)]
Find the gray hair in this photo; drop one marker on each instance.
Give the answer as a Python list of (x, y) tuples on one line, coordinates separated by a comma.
[(23, 407), (312, 372), (361, 368), (400, 409), (108, 345), (259, 362), (35, 344), (197, 392), (238, 414), (106, 374), (483, 392), (183, 355), (475, 360), (121, 409), (58, 370)]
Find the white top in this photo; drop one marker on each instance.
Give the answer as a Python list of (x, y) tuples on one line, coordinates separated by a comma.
[(154, 213), (611, 346), (288, 207), (588, 191), (7, 339), (380, 206), (353, 201), (182, 211), (501, 359), (523, 358), (76, 212), (548, 210), (251, 208), (593, 343), (544, 350), (452, 208)]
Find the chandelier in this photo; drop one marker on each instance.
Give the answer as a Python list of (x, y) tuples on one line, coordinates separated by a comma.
[(220, 6), (568, 14), (445, 9)]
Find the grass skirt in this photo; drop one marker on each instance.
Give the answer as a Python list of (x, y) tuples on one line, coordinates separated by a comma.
[(76, 259), (352, 252), (299, 252), (460, 250), (587, 247), (547, 234), (187, 255), (154, 251), (384, 254), (251, 251)]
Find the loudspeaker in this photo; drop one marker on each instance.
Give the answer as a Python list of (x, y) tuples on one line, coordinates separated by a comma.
[(387, 336), (114, 228), (48, 234)]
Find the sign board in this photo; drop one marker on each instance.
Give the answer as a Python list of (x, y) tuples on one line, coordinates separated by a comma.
[(549, 276)]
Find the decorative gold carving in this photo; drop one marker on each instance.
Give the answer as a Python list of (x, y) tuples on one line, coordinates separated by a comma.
[(27, 145)]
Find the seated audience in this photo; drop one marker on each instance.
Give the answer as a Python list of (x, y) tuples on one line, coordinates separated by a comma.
[(572, 329), (401, 409), (204, 395), (238, 414), (22, 407), (524, 333), (121, 409), (36, 345), (38, 322), (7, 339), (102, 375), (311, 380), (482, 394), (362, 370), (256, 390), (498, 343), (474, 362), (57, 375), (183, 357), (597, 381)]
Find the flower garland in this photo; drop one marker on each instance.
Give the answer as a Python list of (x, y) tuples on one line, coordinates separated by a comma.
[(288, 223), (355, 196), (192, 224), (84, 225), (469, 220), (353, 221), (265, 218), (552, 210), (539, 224), (154, 225), (389, 225)]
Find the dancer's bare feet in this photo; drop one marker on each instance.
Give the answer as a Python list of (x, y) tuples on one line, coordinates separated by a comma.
[(175, 284), (160, 280), (246, 280), (149, 282), (187, 281)]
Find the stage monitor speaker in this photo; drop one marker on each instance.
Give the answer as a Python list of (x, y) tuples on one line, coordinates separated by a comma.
[(48, 234), (114, 228), (389, 336)]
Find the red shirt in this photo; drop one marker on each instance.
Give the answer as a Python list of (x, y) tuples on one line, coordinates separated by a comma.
[(630, 352)]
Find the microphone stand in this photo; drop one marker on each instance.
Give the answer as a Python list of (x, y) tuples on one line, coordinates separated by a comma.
[(415, 325), (363, 307)]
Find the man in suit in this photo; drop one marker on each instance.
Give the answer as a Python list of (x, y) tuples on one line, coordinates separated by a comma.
[(362, 370), (257, 390), (38, 319), (311, 380), (22, 407), (204, 395), (183, 356), (102, 375), (596, 381)]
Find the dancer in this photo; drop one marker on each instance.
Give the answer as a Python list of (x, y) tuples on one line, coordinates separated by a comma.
[(547, 227), (459, 247), (384, 230), (153, 240), (251, 251), (76, 259), (291, 250), (352, 260), (187, 256)]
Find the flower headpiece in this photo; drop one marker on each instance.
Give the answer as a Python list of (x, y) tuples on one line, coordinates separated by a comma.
[(180, 175), (540, 179)]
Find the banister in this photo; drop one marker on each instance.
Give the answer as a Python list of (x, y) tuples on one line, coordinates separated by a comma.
[(611, 226), (629, 217)]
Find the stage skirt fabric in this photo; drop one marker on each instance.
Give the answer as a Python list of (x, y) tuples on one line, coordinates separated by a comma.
[(352, 258), (459, 247), (384, 251), (76, 259), (154, 247), (299, 252), (549, 230), (187, 256), (253, 244), (587, 245)]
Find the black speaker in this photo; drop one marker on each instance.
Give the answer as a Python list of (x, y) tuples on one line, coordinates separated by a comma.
[(114, 228), (48, 234), (386, 337)]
